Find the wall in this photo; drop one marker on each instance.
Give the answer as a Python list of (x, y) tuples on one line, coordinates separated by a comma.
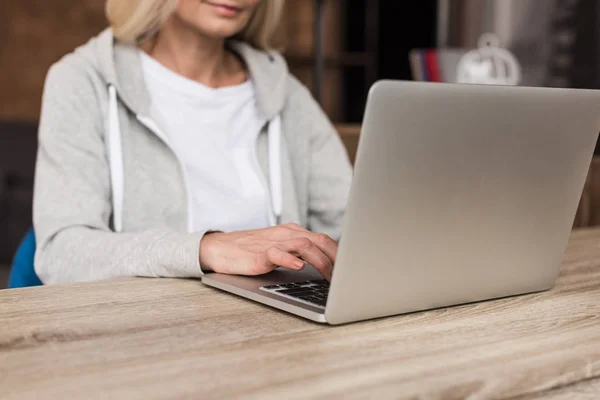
[(36, 33)]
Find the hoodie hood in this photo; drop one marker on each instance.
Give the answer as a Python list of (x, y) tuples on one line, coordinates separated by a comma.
[(119, 65)]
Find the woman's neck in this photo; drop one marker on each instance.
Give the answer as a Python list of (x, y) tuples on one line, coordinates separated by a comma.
[(195, 56)]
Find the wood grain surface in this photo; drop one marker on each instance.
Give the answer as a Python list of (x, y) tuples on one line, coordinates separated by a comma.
[(583, 390), (176, 339)]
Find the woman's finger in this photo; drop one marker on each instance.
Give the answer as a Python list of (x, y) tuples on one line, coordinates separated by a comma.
[(326, 244), (310, 253), (279, 257)]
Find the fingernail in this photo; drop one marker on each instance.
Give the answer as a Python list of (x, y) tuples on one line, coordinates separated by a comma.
[(299, 264)]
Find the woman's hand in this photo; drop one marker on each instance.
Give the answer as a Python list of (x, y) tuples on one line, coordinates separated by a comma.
[(257, 252)]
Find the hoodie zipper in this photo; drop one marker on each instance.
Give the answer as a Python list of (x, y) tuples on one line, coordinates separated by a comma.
[(151, 125)]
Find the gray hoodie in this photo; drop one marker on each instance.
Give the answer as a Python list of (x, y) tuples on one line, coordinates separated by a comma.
[(111, 196)]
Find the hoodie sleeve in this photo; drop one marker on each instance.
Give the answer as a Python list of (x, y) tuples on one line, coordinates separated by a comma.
[(330, 171), (72, 206)]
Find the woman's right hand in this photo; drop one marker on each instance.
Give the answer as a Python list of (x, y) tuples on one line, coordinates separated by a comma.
[(259, 251)]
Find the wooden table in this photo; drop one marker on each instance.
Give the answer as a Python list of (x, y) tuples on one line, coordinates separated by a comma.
[(175, 339)]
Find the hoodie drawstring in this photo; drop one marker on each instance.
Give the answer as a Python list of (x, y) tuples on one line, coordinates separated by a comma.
[(117, 176), (115, 159), (276, 187)]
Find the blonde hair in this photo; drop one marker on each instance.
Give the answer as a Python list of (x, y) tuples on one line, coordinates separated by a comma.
[(133, 21)]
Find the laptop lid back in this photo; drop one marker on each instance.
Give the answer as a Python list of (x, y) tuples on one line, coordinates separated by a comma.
[(461, 193)]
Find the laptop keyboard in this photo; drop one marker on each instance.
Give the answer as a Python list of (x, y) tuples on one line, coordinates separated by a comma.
[(310, 292)]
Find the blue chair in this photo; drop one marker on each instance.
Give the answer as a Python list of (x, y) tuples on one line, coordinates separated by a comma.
[(22, 273)]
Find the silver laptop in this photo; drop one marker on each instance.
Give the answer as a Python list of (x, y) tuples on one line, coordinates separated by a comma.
[(461, 193)]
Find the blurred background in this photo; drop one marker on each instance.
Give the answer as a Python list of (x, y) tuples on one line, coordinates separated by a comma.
[(338, 48)]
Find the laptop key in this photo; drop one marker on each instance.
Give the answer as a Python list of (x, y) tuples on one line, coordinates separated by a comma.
[(320, 302), (301, 295), (289, 285), (322, 287), (292, 292), (271, 287)]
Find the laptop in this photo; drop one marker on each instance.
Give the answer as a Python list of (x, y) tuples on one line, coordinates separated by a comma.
[(461, 193)]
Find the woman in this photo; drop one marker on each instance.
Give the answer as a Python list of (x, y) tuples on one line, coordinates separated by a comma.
[(177, 143)]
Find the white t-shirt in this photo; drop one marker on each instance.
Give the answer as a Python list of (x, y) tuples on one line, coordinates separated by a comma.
[(214, 133)]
